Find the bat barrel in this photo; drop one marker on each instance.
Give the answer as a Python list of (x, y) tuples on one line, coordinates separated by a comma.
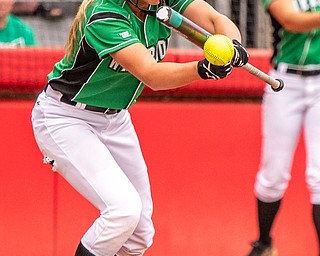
[(182, 25)]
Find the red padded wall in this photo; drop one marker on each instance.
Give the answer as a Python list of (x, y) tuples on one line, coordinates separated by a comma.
[(202, 160), (25, 70)]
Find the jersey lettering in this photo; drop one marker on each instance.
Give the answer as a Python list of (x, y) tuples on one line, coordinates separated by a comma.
[(159, 51), (116, 66)]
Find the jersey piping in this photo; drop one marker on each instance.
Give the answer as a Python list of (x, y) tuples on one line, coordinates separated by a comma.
[(91, 76), (86, 59)]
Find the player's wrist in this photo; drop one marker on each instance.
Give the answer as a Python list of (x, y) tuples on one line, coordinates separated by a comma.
[(206, 70), (241, 56)]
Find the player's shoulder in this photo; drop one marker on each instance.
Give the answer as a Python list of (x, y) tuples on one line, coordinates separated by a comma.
[(17, 23)]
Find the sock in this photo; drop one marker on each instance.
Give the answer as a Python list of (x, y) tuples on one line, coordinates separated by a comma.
[(316, 219), (266, 215), (82, 251)]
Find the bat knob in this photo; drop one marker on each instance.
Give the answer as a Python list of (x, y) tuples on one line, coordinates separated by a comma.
[(280, 86)]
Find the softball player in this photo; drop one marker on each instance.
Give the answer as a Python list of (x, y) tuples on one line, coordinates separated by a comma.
[(81, 120), (13, 31), (295, 60)]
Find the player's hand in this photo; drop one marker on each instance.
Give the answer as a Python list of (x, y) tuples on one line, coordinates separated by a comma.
[(241, 56), (206, 70)]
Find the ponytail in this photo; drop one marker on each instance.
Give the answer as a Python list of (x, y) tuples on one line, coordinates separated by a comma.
[(76, 26)]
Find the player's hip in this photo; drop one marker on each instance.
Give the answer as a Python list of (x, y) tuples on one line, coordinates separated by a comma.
[(51, 111), (296, 86)]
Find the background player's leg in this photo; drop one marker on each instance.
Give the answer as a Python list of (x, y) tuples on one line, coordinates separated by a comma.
[(278, 147), (279, 139), (266, 215), (312, 142), (316, 221)]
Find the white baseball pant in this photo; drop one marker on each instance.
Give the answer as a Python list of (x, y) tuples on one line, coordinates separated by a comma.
[(284, 115), (100, 156)]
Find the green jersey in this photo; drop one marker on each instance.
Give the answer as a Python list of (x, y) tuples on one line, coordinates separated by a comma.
[(91, 76), (16, 34), (296, 49)]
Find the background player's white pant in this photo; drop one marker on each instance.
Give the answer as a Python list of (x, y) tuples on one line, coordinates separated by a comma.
[(285, 113), (100, 156)]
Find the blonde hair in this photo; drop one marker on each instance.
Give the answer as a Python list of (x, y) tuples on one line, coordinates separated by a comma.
[(77, 26)]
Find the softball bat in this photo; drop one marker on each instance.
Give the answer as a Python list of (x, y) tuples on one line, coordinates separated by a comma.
[(198, 36)]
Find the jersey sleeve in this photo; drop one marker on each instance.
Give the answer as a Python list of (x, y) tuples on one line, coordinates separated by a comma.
[(108, 32), (179, 5)]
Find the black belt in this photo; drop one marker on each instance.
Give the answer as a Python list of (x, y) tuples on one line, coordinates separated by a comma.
[(300, 72), (107, 111)]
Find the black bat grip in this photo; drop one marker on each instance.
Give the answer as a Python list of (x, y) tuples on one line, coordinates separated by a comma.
[(280, 87)]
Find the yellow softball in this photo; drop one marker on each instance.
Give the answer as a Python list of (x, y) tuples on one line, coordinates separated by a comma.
[(218, 50)]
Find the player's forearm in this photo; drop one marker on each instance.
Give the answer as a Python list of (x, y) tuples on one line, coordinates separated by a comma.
[(292, 19), (204, 15), (168, 75), (301, 22), (137, 60), (226, 27)]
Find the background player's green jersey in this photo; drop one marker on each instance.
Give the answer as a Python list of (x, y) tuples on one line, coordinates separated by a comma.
[(16, 34), (97, 79), (300, 49)]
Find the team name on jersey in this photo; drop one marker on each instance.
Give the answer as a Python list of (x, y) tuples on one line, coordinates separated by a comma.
[(307, 5), (116, 66), (158, 52)]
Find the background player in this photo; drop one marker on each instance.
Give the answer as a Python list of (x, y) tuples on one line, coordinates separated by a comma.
[(81, 120), (13, 31), (295, 60)]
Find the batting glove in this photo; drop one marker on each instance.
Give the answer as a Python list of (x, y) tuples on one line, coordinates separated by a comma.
[(241, 56), (206, 70)]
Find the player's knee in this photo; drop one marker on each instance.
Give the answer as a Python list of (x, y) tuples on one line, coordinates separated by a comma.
[(268, 193), (270, 188), (126, 214), (130, 218), (147, 239)]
